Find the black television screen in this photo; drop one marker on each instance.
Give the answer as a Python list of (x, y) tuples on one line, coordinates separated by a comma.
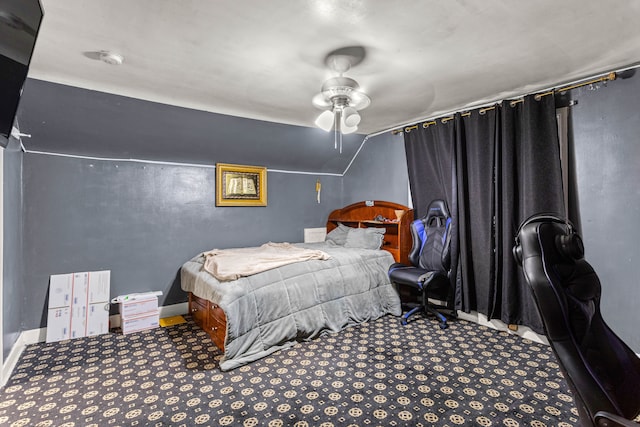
[(19, 25)]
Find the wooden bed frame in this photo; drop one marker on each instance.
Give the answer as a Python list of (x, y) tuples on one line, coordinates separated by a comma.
[(397, 240)]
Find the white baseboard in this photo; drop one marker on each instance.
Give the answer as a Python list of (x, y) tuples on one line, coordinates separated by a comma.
[(34, 336), (523, 331), (25, 338)]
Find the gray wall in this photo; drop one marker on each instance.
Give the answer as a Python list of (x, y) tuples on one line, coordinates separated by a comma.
[(13, 291), (379, 171), (605, 127), (143, 221)]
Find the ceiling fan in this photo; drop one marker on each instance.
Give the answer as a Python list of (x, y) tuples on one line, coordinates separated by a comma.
[(340, 97)]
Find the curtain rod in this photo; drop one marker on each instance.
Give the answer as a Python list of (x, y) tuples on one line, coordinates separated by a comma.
[(610, 76)]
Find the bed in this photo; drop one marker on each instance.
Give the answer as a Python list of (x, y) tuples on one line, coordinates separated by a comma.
[(253, 316)]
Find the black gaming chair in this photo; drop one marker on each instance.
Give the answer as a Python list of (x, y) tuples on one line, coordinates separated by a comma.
[(430, 260), (601, 370)]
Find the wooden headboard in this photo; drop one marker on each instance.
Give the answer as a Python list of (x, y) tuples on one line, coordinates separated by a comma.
[(397, 238)]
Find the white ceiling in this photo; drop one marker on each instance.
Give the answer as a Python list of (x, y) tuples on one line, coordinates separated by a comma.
[(265, 59)]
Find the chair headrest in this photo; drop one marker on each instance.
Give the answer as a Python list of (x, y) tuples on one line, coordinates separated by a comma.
[(437, 209), (562, 240)]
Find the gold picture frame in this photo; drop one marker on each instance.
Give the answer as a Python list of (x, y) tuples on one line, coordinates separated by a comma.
[(239, 185)]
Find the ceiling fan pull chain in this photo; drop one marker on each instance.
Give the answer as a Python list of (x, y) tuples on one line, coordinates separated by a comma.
[(335, 130), (338, 127)]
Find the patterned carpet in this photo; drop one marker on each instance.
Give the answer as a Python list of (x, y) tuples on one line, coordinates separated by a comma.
[(376, 374)]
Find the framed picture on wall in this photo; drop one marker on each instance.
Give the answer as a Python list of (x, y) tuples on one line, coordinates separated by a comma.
[(239, 185)]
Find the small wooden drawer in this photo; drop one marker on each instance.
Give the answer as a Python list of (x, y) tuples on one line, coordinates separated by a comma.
[(210, 317), (198, 310), (217, 325)]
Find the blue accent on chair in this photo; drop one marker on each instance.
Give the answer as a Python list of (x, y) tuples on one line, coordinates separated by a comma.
[(430, 261), (419, 227)]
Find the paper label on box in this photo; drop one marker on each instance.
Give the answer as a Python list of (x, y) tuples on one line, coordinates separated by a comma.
[(138, 307)]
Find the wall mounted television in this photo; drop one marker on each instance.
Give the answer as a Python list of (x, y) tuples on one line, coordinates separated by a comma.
[(19, 26)]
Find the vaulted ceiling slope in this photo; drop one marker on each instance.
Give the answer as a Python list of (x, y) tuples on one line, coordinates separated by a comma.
[(265, 59)]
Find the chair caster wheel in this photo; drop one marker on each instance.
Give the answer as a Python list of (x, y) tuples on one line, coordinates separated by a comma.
[(404, 322), (443, 326)]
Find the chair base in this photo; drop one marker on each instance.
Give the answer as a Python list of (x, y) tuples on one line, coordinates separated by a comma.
[(427, 309)]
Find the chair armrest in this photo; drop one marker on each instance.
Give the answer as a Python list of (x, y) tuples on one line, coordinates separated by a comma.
[(607, 419)]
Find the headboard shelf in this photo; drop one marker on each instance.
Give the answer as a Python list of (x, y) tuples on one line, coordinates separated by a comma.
[(397, 218)]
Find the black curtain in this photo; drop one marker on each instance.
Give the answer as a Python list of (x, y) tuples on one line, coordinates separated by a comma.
[(431, 160), (503, 165), (528, 181), (476, 165)]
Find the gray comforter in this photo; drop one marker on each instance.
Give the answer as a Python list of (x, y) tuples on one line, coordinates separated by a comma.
[(272, 310)]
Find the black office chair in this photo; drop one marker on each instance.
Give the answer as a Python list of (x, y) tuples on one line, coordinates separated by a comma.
[(430, 261), (601, 370)]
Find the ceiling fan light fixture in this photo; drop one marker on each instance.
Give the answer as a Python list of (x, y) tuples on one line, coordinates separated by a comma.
[(325, 120), (346, 130), (341, 89), (351, 117), (340, 96)]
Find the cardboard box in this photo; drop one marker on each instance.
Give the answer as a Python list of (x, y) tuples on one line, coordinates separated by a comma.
[(77, 304), (138, 307), (99, 286), (59, 324), (78, 321), (98, 319), (140, 323), (61, 289)]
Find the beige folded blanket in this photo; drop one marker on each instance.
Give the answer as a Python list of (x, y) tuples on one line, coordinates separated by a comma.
[(231, 264)]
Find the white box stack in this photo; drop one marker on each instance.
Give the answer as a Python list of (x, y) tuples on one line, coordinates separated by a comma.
[(139, 312), (78, 305), (140, 323)]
